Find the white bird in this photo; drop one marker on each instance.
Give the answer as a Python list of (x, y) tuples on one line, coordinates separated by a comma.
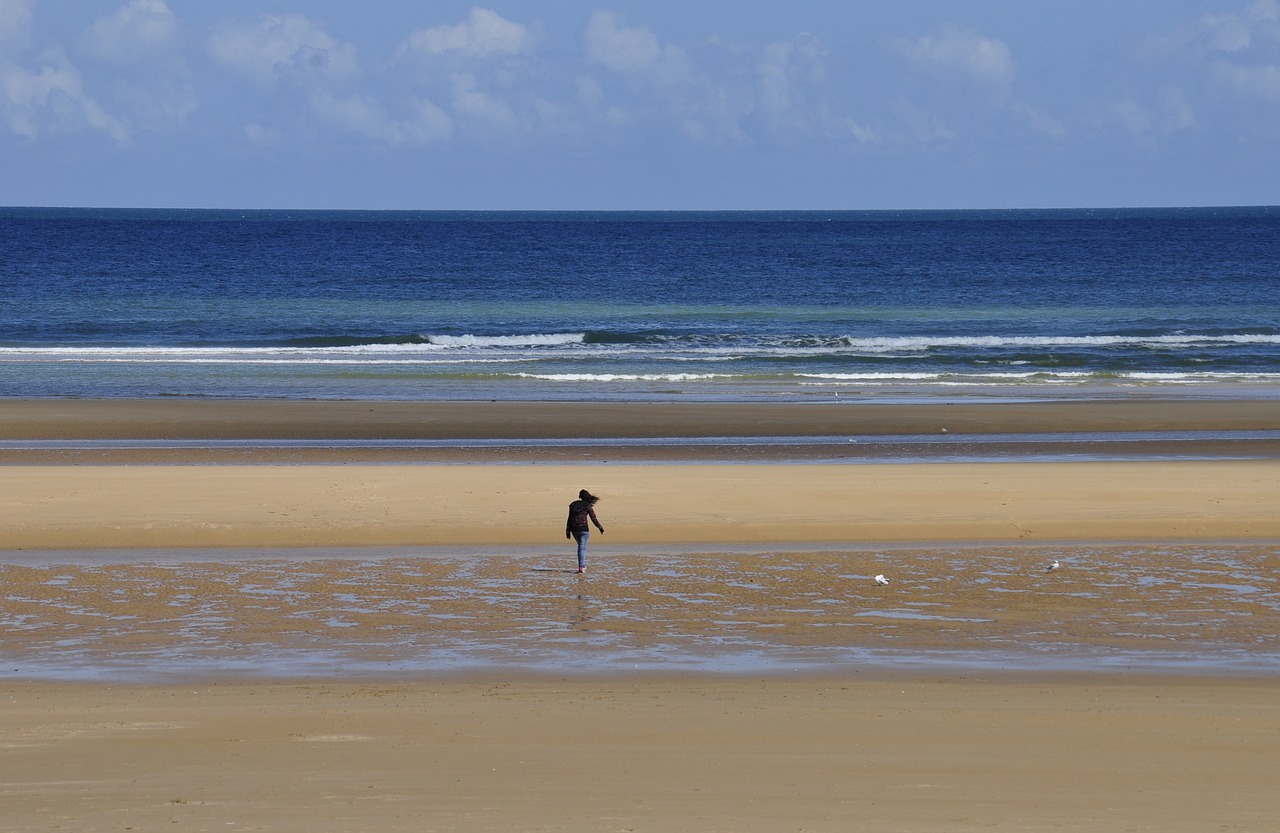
[(1053, 565), (881, 580)]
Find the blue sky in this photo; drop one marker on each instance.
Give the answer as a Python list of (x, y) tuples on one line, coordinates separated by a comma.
[(639, 105)]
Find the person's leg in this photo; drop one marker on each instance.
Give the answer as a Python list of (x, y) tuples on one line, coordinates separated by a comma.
[(582, 538)]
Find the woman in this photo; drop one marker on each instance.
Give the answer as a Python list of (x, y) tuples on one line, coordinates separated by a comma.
[(581, 515)]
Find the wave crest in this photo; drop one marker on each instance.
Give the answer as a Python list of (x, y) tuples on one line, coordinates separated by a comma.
[(526, 340)]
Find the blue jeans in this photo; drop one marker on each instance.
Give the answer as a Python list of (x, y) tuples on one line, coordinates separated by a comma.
[(581, 537)]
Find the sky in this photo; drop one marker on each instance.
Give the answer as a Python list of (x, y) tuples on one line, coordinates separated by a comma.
[(653, 105)]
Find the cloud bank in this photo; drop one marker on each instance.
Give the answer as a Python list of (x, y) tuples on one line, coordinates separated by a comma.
[(487, 78), (608, 84)]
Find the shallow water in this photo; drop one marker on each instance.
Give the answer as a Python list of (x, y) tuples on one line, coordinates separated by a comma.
[(163, 614)]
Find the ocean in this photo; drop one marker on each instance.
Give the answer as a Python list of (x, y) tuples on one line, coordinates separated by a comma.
[(726, 306)]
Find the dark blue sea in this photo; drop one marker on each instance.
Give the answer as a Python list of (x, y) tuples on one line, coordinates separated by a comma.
[(783, 306)]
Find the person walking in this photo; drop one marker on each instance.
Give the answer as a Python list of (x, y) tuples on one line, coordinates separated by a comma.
[(582, 514)]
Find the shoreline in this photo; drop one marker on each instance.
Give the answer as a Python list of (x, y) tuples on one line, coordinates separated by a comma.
[(287, 432)]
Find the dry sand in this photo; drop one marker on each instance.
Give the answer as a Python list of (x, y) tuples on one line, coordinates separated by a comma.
[(866, 751), (361, 505), (340, 499)]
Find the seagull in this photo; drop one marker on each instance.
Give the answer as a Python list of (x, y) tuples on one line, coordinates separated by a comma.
[(1053, 565), (881, 580)]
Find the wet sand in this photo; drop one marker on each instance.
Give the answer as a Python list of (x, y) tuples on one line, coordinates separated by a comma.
[(251, 419), (165, 615), (696, 557), (175, 432), (960, 753)]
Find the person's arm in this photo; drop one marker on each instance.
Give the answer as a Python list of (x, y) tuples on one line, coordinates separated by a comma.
[(594, 520)]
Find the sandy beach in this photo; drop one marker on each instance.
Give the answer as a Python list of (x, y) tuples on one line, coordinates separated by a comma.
[(693, 754), (778, 550), (356, 505), (336, 497)]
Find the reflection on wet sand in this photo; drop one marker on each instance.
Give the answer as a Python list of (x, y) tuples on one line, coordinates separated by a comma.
[(1199, 606)]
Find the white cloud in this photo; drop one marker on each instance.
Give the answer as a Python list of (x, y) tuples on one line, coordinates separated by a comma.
[(1260, 82), (971, 79), (1251, 65), (635, 53), (366, 117), (260, 135), (139, 44), (44, 95), (138, 29), (160, 106), (791, 96), (1225, 61), (275, 47), (1252, 32), (426, 122), (712, 93), (357, 114), (476, 104), (922, 125), (1170, 114), (485, 67), (1234, 33), (50, 99), (1226, 34), (1038, 120), (1176, 110), (1134, 117), (627, 50), (484, 34), (15, 23), (667, 85), (781, 71), (957, 51)]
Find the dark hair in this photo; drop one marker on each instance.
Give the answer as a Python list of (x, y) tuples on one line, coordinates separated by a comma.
[(585, 495)]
